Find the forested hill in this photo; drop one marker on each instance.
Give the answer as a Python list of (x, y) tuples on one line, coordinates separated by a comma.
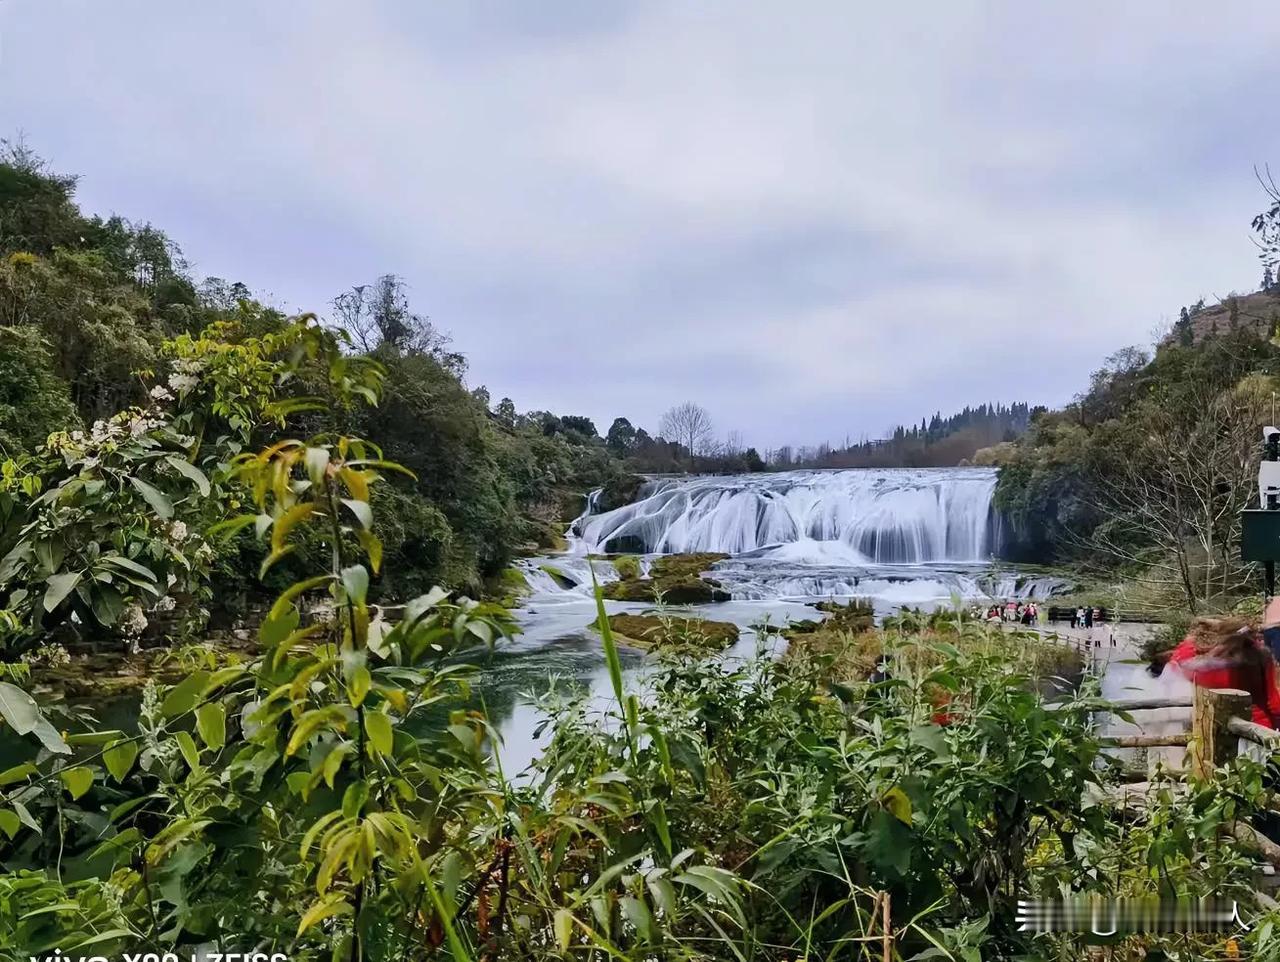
[(1144, 474), (89, 303)]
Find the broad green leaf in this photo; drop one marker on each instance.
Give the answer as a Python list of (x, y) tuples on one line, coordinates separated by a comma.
[(160, 504), (362, 511), (106, 603), (285, 598), (372, 547), (211, 723), (232, 526), (639, 916), (119, 757), (17, 773), (272, 631), (50, 738), (269, 561), (9, 822), (182, 697), (18, 708), (59, 586), (27, 818), (333, 762), (317, 462), (77, 780), (355, 581), (308, 725), (50, 552), (377, 725), (187, 745), (128, 564), (105, 737), (353, 799), (191, 472)]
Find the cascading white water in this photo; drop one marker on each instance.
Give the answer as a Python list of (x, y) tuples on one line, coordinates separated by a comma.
[(862, 516)]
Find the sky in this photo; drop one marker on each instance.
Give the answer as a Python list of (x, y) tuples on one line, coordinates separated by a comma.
[(816, 220)]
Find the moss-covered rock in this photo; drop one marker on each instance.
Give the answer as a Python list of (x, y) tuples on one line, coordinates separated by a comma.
[(627, 566), (618, 492), (853, 618), (654, 631), (561, 579), (542, 536), (674, 580), (680, 591), (684, 565), (508, 587)]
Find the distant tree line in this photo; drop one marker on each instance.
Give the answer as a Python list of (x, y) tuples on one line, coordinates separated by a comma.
[(935, 442)]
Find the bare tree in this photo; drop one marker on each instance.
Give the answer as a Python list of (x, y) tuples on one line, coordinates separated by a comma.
[(689, 425), (1173, 496), (378, 315)]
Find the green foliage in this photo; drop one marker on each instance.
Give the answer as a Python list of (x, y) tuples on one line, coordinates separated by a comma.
[(1147, 470), (34, 402)]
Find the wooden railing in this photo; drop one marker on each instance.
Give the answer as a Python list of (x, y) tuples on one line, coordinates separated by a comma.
[(1220, 720)]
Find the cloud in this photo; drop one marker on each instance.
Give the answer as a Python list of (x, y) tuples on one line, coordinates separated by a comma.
[(815, 221)]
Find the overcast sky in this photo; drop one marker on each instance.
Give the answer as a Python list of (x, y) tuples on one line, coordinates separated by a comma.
[(814, 219)]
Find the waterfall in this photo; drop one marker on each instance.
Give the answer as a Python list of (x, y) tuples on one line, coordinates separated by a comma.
[(860, 516)]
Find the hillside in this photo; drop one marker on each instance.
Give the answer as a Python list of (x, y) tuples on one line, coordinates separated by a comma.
[(1144, 474), (1257, 313)]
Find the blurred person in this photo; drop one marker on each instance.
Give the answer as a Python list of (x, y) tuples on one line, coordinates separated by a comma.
[(1230, 653)]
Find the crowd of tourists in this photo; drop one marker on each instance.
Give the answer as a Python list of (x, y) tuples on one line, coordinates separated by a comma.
[(1015, 612), (1028, 613)]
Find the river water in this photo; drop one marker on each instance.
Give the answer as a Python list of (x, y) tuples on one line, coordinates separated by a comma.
[(917, 537)]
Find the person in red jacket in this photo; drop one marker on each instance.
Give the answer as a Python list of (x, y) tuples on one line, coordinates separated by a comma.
[(1228, 653)]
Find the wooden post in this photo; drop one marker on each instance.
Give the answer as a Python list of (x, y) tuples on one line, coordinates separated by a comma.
[(887, 925), (1211, 744)]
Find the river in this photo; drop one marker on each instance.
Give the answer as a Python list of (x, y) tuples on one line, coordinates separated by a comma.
[(917, 537)]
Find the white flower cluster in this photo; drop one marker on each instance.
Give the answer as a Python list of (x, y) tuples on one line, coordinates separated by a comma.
[(133, 622), (178, 532), (185, 375), (52, 655), (165, 604), (107, 431)]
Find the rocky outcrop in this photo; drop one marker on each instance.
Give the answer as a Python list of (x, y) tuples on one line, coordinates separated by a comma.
[(674, 580), (654, 631)]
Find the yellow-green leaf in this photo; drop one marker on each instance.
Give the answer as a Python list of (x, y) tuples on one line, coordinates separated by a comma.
[(211, 723), (324, 909), (564, 928), (17, 773), (358, 685), (182, 696), (119, 757), (77, 780), (9, 822), (377, 726), (896, 801), (286, 522), (187, 745)]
